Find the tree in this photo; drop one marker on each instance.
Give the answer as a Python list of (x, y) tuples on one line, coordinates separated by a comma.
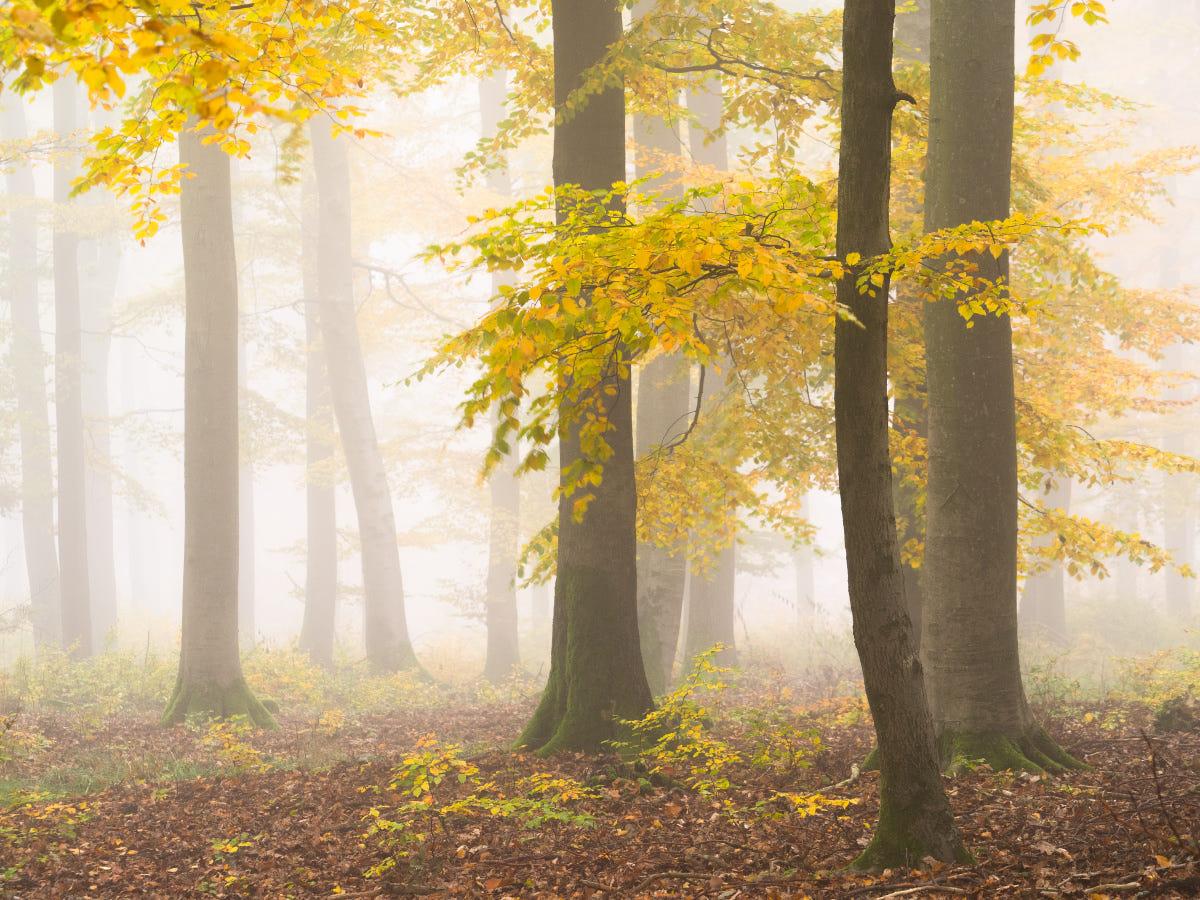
[(914, 814), (320, 583), (210, 672), (596, 673), (503, 644), (970, 564), (385, 625), (37, 477)]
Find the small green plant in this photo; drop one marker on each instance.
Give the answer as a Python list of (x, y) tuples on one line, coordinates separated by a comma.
[(674, 740), (227, 739)]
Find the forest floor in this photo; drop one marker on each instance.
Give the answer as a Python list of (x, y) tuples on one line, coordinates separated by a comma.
[(98, 804)]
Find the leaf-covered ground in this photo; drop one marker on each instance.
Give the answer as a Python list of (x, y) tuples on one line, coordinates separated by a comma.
[(215, 810)]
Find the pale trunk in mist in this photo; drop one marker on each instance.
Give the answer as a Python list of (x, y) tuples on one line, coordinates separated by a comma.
[(385, 626), (37, 476), (210, 673), (68, 394), (320, 582)]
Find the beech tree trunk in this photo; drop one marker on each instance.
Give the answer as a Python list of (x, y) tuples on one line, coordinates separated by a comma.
[(37, 476), (909, 415), (210, 671), (68, 396), (915, 819), (1043, 612), (503, 641), (321, 552), (711, 602), (970, 572), (385, 626), (99, 264), (596, 673)]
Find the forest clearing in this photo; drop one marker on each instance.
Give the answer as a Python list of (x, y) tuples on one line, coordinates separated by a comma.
[(101, 802)]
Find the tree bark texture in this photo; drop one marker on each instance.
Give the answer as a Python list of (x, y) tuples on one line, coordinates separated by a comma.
[(321, 551), (210, 673), (68, 396), (915, 819), (663, 404), (37, 476), (596, 673), (970, 569), (503, 639), (386, 627)]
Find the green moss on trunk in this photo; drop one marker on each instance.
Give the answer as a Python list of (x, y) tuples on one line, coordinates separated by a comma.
[(596, 675), (217, 700), (910, 831), (1034, 751)]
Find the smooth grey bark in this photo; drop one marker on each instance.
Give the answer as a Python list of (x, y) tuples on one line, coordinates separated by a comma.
[(37, 476), (210, 672), (385, 626), (596, 672), (246, 622), (68, 395), (99, 262), (320, 578), (1043, 609), (915, 819), (970, 570), (503, 641), (710, 599)]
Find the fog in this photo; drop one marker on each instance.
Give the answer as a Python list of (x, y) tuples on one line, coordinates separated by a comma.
[(408, 194)]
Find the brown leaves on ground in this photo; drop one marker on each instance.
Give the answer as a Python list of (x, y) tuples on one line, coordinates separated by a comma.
[(293, 824)]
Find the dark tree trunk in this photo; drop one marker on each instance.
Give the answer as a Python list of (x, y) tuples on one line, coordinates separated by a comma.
[(210, 671), (320, 582), (68, 396), (503, 643), (386, 628), (596, 672), (37, 476), (970, 572), (915, 819)]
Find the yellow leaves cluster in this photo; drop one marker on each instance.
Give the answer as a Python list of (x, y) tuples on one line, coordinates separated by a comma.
[(1047, 47)]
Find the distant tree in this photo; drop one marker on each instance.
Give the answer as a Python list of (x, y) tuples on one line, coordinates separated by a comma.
[(37, 476), (970, 564), (385, 625), (68, 396), (210, 672), (503, 644), (321, 551), (915, 819), (596, 671)]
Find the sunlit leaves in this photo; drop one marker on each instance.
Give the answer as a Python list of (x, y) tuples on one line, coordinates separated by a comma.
[(1046, 46)]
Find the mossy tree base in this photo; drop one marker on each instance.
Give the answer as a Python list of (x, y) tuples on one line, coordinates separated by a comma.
[(908, 832), (1033, 751), (596, 676), (216, 700)]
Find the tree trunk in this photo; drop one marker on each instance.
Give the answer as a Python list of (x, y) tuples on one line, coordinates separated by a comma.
[(246, 623), (68, 396), (99, 261), (1179, 520), (970, 571), (909, 415), (321, 552), (1043, 612), (37, 477), (503, 644), (596, 673), (711, 602), (386, 628), (210, 672), (914, 815)]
